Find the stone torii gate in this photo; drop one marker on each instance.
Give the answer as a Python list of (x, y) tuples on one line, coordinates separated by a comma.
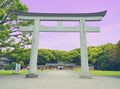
[(59, 17)]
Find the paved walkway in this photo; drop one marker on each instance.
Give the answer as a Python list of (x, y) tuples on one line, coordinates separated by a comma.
[(58, 80)]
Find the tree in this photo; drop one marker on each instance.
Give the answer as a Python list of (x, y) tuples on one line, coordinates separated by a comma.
[(7, 17), (22, 64), (23, 54), (114, 57), (58, 54), (106, 60), (45, 56), (7, 66), (74, 56), (13, 65), (93, 53), (9, 25)]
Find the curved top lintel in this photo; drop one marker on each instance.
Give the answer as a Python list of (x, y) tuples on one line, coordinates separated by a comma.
[(102, 14)]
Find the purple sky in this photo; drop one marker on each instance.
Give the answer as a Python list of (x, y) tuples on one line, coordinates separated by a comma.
[(110, 25)]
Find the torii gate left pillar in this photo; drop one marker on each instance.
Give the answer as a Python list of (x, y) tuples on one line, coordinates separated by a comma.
[(82, 28), (34, 51)]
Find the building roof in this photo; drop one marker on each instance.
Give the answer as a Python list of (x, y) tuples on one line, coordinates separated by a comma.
[(4, 59), (102, 13)]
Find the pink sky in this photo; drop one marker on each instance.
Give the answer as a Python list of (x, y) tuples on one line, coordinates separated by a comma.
[(110, 25)]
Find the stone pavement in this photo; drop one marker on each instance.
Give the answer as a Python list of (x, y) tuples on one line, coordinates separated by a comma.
[(59, 79)]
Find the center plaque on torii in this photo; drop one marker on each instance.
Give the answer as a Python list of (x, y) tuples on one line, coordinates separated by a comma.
[(59, 17)]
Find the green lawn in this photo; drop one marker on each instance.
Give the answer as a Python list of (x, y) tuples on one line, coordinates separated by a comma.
[(6, 72), (94, 72), (12, 72), (105, 73), (102, 72)]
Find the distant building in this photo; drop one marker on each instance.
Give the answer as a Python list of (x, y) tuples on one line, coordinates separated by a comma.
[(59, 65), (3, 62)]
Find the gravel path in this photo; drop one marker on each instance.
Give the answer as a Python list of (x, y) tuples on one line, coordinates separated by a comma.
[(59, 79)]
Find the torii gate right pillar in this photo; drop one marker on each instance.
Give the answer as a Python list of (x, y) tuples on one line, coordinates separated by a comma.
[(84, 53)]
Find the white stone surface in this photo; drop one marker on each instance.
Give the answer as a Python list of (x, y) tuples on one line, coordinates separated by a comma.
[(59, 28), (83, 46), (34, 48)]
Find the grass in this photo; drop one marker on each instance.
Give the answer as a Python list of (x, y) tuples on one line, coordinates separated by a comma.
[(94, 72), (101, 72), (12, 72), (105, 73), (6, 72)]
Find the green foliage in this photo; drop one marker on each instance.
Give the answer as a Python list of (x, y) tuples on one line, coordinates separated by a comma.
[(59, 55), (114, 57), (22, 64), (93, 53), (2, 13), (104, 57), (7, 66), (4, 34), (108, 59), (13, 65), (45, 56), (74, 56), (7, 8), (54, 56), (8, 25), (20, 55)]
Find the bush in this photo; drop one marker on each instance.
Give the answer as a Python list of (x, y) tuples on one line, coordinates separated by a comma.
[(13, 65), (22, 64), (7, 67)]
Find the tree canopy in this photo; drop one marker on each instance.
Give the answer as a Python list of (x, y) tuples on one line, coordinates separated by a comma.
[(104, 57), (10, 36)]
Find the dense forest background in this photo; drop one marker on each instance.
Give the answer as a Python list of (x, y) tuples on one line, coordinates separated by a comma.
[(104, 57)]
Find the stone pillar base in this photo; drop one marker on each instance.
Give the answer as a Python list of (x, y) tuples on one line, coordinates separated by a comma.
[(85, 76), (32, 75)]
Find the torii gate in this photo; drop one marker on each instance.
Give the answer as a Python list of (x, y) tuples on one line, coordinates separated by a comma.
[(59, 17)]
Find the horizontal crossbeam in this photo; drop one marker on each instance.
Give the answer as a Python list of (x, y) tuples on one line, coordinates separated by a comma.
[(59, 29)]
